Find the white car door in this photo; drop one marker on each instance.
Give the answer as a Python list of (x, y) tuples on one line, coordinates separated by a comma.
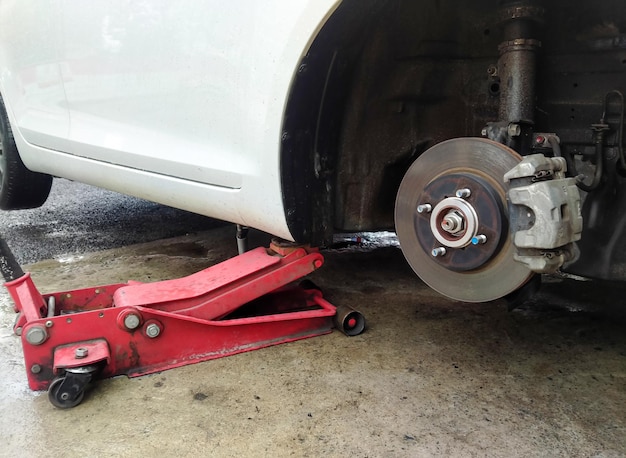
[(151, 85), (180, 102), (31, 76)]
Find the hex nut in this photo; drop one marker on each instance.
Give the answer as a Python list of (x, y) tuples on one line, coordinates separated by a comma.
[(514, 130), (36, 335), (81, 352), (153, 330)]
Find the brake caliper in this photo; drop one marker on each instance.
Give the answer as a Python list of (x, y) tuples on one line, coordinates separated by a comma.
[(544, 213)]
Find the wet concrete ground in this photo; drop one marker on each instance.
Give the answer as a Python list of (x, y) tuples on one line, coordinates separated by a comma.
[(78, 218), (429, 377)]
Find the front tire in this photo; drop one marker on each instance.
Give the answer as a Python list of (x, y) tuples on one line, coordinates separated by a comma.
[(19, 187)]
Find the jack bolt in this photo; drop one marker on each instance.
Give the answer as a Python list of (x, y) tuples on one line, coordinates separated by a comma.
[(132, 321), (153, 330), (81, 352), (36, 335)]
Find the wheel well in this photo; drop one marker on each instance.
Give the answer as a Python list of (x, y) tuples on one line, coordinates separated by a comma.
[(377, 70), (385, 80), (313, 120)]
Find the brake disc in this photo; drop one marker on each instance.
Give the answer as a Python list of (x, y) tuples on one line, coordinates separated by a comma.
[(451, 220)]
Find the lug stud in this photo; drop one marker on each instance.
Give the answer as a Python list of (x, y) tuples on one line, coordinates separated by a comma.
[(440, 251), (463, 193), (424, 208), (479, 239)]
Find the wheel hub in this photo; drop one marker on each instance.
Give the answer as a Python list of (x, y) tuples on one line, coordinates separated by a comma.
[(451, 220), (466, 220)]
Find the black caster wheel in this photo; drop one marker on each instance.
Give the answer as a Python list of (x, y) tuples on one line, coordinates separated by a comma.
[(349, 321), (65, 396)]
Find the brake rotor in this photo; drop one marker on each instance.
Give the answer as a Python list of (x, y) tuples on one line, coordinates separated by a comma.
[(451, 220)]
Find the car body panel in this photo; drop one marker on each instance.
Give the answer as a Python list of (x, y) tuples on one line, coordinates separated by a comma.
[(177, 102), (30, 72)]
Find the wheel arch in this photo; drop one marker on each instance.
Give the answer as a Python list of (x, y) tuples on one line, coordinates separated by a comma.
[(381, 83), (313, 120)]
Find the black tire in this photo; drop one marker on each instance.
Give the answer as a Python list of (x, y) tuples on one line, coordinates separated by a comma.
[(19, 187)]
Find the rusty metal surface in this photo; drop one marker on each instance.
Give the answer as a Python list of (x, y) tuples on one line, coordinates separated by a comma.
[(488, 160), (428, 72), (489, 213)]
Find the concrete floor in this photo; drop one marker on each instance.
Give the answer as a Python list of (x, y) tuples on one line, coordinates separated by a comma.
[(429, 377)]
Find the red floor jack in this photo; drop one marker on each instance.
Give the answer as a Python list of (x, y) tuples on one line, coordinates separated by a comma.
[(70, 338)]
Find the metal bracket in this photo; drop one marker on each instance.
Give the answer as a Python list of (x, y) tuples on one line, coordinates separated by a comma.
[(544, 212)]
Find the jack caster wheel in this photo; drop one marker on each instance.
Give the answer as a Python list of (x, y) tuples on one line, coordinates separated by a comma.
[(349, 321), (67, 390), (63, 396), (452, 220)]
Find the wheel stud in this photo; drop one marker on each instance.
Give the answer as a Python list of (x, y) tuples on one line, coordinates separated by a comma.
[(463, 193), (479, 239), (424, 208), (440, 251)]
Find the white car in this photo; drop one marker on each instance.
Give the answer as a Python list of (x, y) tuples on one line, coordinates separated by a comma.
[(453, 121)]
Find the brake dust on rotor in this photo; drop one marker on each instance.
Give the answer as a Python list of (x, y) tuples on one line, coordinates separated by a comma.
[(242, 304), (452, 220)]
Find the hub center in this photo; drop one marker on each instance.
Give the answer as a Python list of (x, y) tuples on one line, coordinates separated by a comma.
[(458, 221), (454, 222)]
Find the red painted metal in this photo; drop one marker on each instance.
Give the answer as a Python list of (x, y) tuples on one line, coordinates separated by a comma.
[(96, 351), (239, 305)]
